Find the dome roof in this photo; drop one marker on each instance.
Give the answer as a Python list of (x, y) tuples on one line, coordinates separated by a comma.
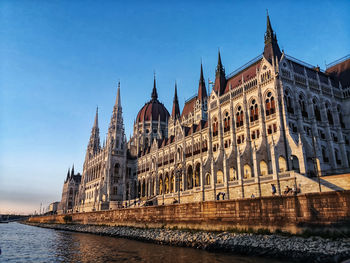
[(153, 110)]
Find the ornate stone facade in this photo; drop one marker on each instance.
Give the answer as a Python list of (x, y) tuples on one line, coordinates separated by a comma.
[(275, 120)]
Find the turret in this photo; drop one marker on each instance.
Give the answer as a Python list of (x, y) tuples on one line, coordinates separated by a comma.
[(202, 92), (94, 142), (175, 113), (271, 50), (220, 79)]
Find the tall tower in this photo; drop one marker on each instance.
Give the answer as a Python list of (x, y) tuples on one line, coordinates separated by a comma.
[(116, 161), (94, 142), (175, 113)]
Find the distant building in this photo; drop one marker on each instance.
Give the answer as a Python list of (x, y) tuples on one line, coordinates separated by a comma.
[(53, 207), (274, 121), (70, 192)]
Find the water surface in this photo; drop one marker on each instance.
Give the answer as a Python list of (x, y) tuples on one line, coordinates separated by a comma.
[(23, 243)]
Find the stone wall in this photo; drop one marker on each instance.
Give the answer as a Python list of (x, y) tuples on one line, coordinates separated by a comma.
[(292, 213)]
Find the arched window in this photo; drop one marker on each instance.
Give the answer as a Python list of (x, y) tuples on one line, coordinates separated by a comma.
[(219, 177), (189, 177), (172, 182), (324, 155), (270, 104), (303, 106), (316, 110), (166, 185), (197, 181), (282, 164), (329, 115), (160, 184), (254, 112), (233, 175), (207, 179), (337, 157), (226, 122), (247, 171), (340, 115), (289, 103), (239, 117), (215, 126), (263, 168)]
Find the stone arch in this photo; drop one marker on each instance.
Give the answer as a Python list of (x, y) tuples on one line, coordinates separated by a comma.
[(239, 116), (329, 114), (215, 126), (302, 104), (288, 98), (282, 164), (219, 177), (247, 170), (160, 184), (226, 120), (264, 170)]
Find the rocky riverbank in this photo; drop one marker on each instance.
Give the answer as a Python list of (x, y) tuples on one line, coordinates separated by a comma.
[(292, 248)]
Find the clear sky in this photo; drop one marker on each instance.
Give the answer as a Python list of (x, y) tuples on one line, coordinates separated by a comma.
[(60, 59)]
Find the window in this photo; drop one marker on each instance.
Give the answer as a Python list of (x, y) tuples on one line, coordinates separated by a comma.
[(226, 122), (342, 124), (316, 110), (215, 127), (254, 112), (303, 106), (288, 101), (239, 117), (324, 155), (270, 104), (329, 115)]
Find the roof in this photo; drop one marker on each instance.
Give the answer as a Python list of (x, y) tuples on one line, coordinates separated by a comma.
[(248, 73), (152, 110), (188, 107), (341, 72)]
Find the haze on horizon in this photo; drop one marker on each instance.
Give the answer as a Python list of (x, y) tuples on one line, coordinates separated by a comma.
[(60, 59)]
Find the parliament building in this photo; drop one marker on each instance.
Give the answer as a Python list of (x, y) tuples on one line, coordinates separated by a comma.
[(274, 122)]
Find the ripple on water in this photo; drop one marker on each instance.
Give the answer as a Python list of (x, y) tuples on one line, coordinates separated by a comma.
[(23, 243)]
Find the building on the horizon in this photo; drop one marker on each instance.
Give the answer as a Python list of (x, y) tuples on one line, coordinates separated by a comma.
[(275, 120)]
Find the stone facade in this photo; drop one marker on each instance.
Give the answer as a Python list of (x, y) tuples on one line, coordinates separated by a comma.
[(276, 120)]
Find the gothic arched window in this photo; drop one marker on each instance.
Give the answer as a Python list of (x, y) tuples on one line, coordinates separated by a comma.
[(239, 117), (254, 112), (226, 122), (316, 110), (303, 106), (270, 104)]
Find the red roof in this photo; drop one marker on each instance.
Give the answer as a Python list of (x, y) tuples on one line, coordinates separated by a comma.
[(152, 110), (341, 72), (247, 73), (189, 107)]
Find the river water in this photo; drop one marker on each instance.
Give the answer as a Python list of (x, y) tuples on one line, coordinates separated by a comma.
[(23, 243)]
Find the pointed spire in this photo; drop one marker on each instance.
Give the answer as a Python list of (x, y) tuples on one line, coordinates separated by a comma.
[(96, 118), (220, 78), (68, 174), (175, 113), (72, 173), (271, 50), (202, 91), (117, 101), (154, 91)]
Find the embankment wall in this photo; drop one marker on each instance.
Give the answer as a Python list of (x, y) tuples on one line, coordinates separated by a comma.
[(290, 213)]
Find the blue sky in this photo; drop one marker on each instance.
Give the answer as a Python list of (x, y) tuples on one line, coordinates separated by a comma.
[(60, 59)]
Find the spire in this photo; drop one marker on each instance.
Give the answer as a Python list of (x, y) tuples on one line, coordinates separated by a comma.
[(118, 101), (220, 79), (72, 173), (154, 91), (94, 142), (68, 174), (271, 50), (202, 91), (96, 118), (176, 109)]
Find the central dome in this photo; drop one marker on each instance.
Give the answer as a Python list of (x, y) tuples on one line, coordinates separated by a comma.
[(153, 110)]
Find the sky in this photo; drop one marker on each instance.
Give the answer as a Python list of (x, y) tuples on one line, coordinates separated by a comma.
[(59, 60)]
